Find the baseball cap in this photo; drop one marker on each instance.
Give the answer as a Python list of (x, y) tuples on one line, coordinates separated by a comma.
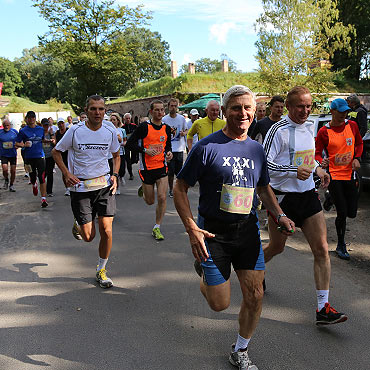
[(340, 105), (60, 119), (30, 114), (194, 111), (45, 121)]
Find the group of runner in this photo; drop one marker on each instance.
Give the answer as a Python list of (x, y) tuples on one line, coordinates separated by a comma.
[(234, 174)]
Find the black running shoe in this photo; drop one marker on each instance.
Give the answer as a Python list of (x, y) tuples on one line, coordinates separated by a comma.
[(328, 315), (328, 203)]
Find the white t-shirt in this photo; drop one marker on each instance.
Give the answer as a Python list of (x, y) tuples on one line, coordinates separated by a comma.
[(88, 151), (178, 142)]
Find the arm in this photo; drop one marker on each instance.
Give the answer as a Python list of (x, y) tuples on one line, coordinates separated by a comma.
[(196, 235), (168, 148), (116, 166), (139, 133), (269, 200), (69, 178), (191, 132), (359, 145), (322, 141), (362, 122)]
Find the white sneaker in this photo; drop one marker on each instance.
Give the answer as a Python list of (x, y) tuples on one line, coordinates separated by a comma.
[(118, 192), (67, 193), (122, 181)]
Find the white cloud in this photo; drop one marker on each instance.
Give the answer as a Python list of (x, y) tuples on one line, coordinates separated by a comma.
[(219, 31)]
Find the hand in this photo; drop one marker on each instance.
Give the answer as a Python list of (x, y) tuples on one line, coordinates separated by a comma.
[(113, 188), (151, 152), (324, 177), (325, 163), (303, 173), (198, 246), (28, 144), (182, 133), (287, 226), (169, 156), (356, 165), (70, 179)]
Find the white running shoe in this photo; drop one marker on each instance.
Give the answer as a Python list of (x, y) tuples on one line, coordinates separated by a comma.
[(122, 181), (67, 193), (118, 192)]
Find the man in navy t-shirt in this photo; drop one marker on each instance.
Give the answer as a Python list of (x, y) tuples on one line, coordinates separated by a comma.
[(31, 138), (8, 153), (230, 168)]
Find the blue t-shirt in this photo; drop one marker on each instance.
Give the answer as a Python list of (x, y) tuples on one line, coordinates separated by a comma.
[(7, 143), (35, 134), (220, 163)]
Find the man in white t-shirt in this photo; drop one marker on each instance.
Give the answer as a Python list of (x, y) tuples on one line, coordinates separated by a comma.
[(179, 131), (91, 186), (194, 115)]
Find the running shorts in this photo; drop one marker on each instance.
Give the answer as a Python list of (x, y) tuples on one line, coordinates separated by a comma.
[(175, 164), (86, 205), (38, 166), (238, 244), (299, 206), (149, 177), (11, 160)]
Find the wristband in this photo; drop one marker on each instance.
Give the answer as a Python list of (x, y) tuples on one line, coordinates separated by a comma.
[(116, 175), (279, 216)]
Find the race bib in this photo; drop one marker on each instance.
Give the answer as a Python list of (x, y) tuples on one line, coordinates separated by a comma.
[(96, 183), (342, 159), (305, 158), (8, 145), (46, 145), (158, 148), (235, 199)]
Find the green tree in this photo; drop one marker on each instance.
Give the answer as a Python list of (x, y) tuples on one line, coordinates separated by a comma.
[(10, 77), (356, 14), (296, 39), (89, 35)]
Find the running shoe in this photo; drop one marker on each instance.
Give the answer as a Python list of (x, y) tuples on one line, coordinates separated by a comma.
[(11, 188), (328, 315), (50, 195), (67, 193), (241, 360), (122, 181), (328, 203), (198, 268), (6, 184), (157, 234), (170, 193), (118, 192), (103, 280), (76, 231), (44, 203), (131, 177), (35, 190), (342, 252), (140, 192)]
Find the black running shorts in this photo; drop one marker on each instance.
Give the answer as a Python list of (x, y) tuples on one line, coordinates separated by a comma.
[(11, 160), (86, 205), (149, 177)]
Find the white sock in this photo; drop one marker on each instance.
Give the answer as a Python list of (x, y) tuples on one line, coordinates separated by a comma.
[(157, 226), (101, 263), (43, 198), (322, 298), (241, 343)]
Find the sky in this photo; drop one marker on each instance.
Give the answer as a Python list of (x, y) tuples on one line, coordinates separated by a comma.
[(194, 29)]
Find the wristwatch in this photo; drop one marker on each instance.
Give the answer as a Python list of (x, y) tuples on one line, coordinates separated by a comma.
[(144, 150), (279, 216)]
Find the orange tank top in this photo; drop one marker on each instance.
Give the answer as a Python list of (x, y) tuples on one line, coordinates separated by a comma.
[(156, 139), (341, 149)]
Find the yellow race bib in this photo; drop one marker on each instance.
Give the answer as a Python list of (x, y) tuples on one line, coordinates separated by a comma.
[(305, 158), (8, 145), (96, 183), (235, 199)]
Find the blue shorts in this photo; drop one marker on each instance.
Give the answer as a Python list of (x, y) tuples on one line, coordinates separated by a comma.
[(238, 244)]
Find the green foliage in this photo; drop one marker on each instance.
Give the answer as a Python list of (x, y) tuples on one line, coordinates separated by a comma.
[(10, 77), (294, 38), (104, 45)]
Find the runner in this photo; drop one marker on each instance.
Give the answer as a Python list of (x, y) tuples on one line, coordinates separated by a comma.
[(47, 146), (177, 123), (229, 167), (58, 136), (30, 138), (153, 141), (290, 150), (341, 140), (8, 152), (91, 186)]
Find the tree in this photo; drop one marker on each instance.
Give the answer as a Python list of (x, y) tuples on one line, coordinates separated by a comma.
[(296, 39), (207, 65), (44, 76), (356, 14), (89, 35), (10, 77)]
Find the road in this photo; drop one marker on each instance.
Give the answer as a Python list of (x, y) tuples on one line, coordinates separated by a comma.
[(53, 315)]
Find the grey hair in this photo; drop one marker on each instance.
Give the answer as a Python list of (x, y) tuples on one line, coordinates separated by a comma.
[(354, 99), (212, 102), (127, 114), (237, 90)]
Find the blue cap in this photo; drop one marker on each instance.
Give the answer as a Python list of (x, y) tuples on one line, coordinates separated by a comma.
[(340, 105)]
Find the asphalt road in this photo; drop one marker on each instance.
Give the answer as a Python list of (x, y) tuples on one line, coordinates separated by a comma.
[(53, 315)]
